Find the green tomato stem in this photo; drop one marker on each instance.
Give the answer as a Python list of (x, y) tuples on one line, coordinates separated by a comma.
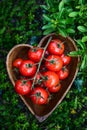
[(41, 61)]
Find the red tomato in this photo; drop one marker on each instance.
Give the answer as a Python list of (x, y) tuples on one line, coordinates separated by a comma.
[(23, 86), (55, 89), (17, 62), (35, 54), (66, 59), (56, 47), (39, 96), (27, 68), (54, 63), (51, 79), (63, 73)]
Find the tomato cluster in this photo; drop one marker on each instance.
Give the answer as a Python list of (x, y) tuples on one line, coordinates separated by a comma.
[(42, 72)]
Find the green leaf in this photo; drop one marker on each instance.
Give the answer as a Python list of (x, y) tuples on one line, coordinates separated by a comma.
[(46, 18), (61, 5), (61, 13), (47, 26), (63, 21), (82, 29), (44, 7), (69, 21), (78, 7), (81, 44), (73, 14), (2, 30), (84, 39), (84, 62), (61, 26), (75, 102), (80, 1), (70, 30), (62, 32), (47, 31), (76, 53)]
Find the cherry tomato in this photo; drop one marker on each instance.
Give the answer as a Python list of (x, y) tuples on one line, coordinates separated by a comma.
[(51, 79), (55, 89), (39, 96), (63, 73), (66, 59), (56, 47), (27, 68), (17, 62), (35, 54), (23, 86), (54, 63)]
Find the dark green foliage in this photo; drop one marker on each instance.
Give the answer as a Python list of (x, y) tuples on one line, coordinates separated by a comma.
[(21, 22), (65, 17), (17, 21)]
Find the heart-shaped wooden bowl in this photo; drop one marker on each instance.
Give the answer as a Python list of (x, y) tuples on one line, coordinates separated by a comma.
[(41, 112)]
